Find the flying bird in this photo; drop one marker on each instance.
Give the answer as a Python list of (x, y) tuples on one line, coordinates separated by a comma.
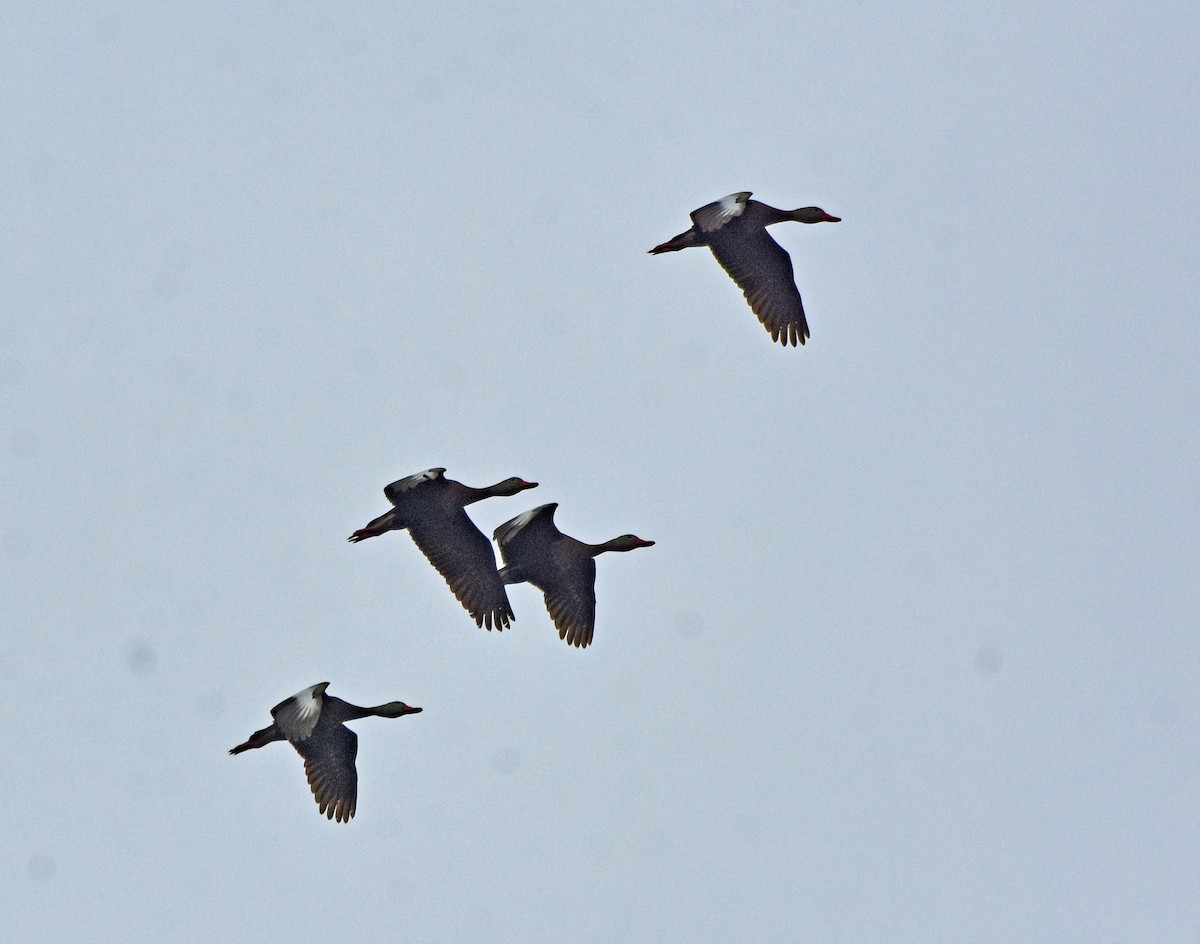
[(563, 568), (735, 229), (314, 723), (432, 508)]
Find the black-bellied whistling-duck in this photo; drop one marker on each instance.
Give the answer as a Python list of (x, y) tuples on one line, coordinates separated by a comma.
[(735, 229), (431, 507), (563, 568), (314, 724)]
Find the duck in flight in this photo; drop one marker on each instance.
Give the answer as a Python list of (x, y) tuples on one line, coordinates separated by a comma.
[(314, 723), (563, 568), (735, 229), (433, 510)]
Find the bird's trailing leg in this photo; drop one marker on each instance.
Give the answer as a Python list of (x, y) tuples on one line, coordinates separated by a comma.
[(259, 739), (381, 525), (682, 241)]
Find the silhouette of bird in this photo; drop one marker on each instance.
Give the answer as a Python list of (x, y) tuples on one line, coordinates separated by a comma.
[(314, 723), (563, 568), (432, 508), (735, 229)]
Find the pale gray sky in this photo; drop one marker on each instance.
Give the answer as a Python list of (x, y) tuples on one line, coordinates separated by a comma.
[(914, 658)]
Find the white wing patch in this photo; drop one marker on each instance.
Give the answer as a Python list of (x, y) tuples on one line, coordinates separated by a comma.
[(507, 531), (715, 215), (412, 481), (297, 716)]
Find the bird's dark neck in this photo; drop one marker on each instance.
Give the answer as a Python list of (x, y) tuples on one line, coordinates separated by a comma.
[(337, 710), (767, 215), (611, 545), (501, 489), (468, 495)]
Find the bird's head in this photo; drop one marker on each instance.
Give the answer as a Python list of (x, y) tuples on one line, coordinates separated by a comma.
[(813, 215), (514, 485), (395, 709), (628, 542)]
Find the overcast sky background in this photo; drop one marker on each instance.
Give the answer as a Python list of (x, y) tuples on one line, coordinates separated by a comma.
[(914, 658)]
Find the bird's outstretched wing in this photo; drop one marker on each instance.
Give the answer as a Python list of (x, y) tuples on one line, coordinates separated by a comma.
[(329, 764), (571, 602), (461, 553), (762, 269)]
